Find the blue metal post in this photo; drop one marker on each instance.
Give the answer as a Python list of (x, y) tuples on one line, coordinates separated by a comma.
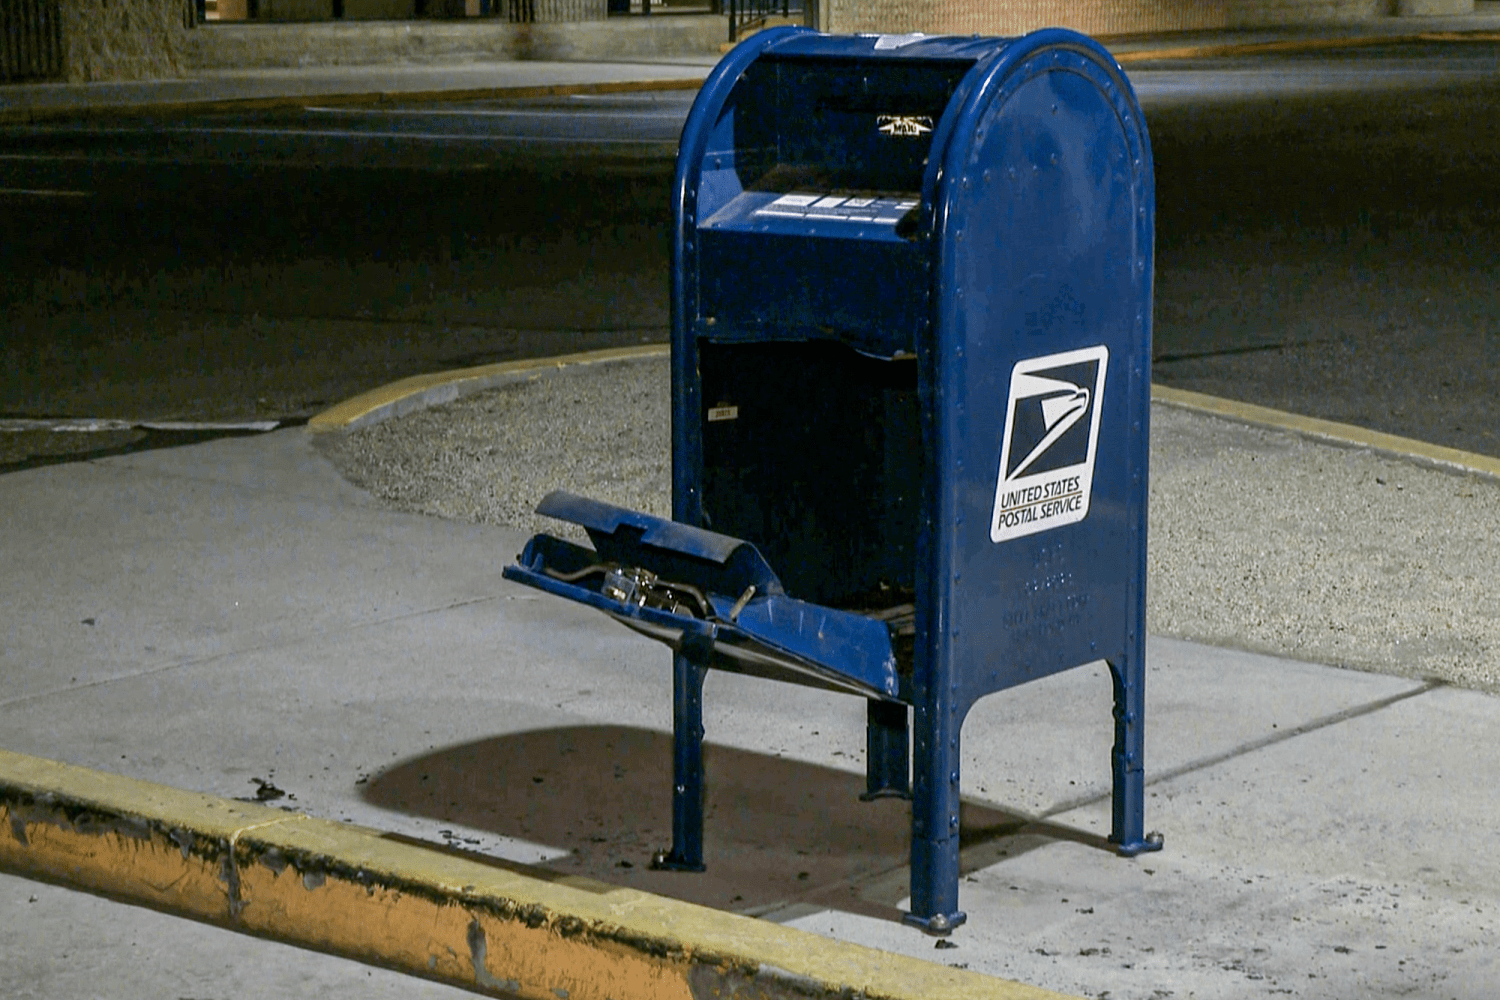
[(1129, 670), (1129, 803), (687, 768), (934, 842)]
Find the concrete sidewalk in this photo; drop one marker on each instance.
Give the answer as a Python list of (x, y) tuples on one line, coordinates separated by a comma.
[(266, 88), (235, 619)]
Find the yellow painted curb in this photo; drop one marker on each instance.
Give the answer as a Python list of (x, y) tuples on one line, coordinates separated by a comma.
[(422, 391), (429, 390), (1460, 36), (500, 929), (1292, 45), (21, 116), (1329, 431)]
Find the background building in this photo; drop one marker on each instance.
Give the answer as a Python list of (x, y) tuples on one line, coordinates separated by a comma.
[(98, 40)]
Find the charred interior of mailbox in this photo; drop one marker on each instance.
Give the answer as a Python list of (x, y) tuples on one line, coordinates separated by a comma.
[(812, 444), (821, 470), (798, 125)]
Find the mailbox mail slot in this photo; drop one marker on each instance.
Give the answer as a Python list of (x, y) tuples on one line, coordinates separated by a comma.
[(911, 347)]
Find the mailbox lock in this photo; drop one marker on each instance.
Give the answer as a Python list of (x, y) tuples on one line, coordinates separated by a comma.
[(641, 588), (644, 588), (626, 586)]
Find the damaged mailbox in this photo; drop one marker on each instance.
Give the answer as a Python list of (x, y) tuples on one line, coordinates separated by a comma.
[(911, 347)]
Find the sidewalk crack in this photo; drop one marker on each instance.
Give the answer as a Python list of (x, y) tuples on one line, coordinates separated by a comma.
[(199, 661), (1271, 739)]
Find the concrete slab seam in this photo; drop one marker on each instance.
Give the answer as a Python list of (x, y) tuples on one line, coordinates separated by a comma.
[(1269, 740), (485, 925), (1331, 432), (199, 661), (422, 391)]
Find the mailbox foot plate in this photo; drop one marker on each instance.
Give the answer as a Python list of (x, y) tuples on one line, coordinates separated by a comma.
[(939, 924), (668, 861), (1152, 841)]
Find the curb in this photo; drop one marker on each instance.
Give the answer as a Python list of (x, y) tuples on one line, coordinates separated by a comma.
[(422, 391), (1331, 432), (492, 927), (1293, 45), (26, 116)]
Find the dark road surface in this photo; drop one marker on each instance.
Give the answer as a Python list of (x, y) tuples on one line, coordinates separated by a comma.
[(609, 131), (230, 272), (1327, 235)]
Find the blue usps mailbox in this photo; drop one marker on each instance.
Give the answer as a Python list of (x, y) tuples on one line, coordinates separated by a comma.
[(911, 348)]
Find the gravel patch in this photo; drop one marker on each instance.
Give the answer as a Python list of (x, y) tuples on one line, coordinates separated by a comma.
[(603, 431), (1259, 539), (1264, 540)]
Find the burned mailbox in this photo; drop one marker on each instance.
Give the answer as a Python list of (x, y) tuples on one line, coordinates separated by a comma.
[(911, 346)]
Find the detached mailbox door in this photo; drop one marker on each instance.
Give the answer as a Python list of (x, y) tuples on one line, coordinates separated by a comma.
[(911, 342)]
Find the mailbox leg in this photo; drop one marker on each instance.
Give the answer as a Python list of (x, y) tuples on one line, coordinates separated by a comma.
[(934, 819), (887, 751), (1128, 829), (687, 768)]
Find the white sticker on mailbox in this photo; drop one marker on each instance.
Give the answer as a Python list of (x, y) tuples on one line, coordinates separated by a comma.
[(1051, 432)]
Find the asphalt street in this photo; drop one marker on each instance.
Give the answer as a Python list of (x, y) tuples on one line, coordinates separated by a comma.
[(1326, 231), (242, 288), (439, 136)]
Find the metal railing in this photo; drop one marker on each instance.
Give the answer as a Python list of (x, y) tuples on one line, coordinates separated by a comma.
[(746, 16), (30, 40)]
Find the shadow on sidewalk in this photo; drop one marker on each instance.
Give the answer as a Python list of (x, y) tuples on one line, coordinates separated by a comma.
[(777, 831)]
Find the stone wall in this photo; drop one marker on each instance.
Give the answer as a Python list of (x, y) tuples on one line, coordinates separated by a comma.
[(1433, 8), (156, 39), (525, 11), (123, 39), (1099, 17), (145, 39), (251, 45)]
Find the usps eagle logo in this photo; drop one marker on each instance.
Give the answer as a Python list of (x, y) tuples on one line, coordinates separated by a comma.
[(1046, 474)]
